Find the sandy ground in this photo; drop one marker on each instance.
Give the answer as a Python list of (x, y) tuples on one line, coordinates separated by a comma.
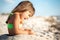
[(45, 28)]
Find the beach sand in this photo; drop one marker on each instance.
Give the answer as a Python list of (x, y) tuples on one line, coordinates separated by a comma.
[(45, 28)]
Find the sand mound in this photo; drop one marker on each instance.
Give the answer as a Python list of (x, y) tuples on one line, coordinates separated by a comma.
[(45, 28)]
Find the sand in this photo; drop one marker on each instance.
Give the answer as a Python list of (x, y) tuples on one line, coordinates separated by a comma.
[(45, 28)]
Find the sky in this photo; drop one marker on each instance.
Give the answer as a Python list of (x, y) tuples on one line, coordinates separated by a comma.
[(42, 7)]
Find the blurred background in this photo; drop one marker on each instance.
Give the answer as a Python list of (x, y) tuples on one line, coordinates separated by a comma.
[(42, 7)]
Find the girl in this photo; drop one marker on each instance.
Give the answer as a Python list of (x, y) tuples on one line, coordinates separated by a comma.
[(22, 11)]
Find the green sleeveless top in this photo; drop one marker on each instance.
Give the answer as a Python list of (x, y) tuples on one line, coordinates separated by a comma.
[(10, 26)]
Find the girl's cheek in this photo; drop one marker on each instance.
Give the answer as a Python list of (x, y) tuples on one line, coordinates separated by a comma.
[(24, 16)]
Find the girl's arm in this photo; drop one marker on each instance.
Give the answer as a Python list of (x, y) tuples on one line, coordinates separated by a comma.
[(16, 23)]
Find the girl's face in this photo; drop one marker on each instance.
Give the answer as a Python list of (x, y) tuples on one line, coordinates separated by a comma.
[(25, 14)]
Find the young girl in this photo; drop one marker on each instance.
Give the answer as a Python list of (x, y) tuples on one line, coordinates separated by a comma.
[(22, 11)]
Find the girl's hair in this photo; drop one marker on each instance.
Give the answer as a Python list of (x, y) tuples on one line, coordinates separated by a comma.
[(24, 6)]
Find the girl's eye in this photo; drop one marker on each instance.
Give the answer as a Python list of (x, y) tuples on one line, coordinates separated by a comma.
[(29, 11)]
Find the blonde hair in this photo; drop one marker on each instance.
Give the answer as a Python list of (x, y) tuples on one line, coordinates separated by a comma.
[(24, 6)]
